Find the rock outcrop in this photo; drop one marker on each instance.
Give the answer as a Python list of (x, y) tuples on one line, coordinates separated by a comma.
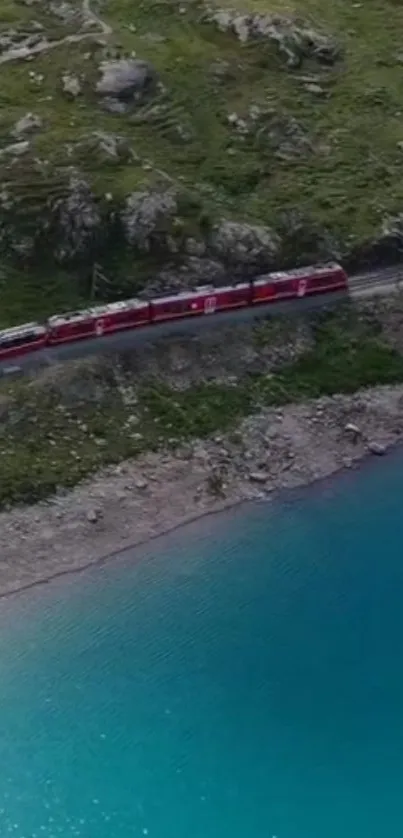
[(28, 124), (294, 39), (386, 247), (103, 147), (275, 132), (76, 222), (190, 273), (125, 82), (71, 85), (246, 247), (147, 218)]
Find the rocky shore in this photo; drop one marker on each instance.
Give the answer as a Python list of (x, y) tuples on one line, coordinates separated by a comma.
[(127, 504)]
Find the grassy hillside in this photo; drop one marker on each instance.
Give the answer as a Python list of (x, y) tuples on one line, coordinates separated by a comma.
[(67, 422), (328, 141)]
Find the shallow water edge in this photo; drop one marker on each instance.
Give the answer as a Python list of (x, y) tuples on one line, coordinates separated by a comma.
[(124, 507)]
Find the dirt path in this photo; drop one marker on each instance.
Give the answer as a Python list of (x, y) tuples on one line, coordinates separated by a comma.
[(26, 50)]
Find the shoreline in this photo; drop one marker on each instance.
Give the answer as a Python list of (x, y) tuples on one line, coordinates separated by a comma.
[(128, 505)]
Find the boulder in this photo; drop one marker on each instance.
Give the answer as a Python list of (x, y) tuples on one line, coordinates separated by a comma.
[(259, 476), (128, 80), (76, 221), (352, 429), (385, 248), (377, 448), (66, 12), (71, 85), (275, 130), (247, 247), (148, 218), (15, 149), (104, 147), (28, 124), (188, 274)]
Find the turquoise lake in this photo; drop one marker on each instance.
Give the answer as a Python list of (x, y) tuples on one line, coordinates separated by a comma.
[(240, 678)]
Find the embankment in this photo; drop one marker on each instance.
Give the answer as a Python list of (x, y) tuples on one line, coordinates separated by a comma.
[(110, 452)]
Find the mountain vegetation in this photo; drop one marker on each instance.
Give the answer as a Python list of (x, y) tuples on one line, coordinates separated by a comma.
[(160, 144)]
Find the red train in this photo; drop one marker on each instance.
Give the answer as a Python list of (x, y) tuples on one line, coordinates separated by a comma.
[(207, 299)]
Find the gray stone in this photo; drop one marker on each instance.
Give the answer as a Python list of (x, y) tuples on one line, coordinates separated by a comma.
[(315, 89), (28, 124), (71, 85), (146, 216), (392, 228), (107, 147), (245, 245), (92, 516), (194, 271), (66, 12), (195, 247), (259, 476), (76, 220), (377, 448), (154, 37), (127, 79), (141, 483), (16, 149), (352, 429), (221, 70), (295, 40), (114, 105)]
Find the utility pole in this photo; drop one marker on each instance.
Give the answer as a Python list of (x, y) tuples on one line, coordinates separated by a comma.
[(99, 282)]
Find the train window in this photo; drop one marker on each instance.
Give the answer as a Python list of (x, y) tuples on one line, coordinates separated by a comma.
[(174, 305), (322, 281), (285, 286), (9, 341)]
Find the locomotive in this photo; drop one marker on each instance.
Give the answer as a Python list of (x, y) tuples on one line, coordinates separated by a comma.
[(97, 321)]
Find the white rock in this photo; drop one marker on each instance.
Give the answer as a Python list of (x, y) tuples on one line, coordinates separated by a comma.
[(15, 148), (258, 476), (352, 429), (315, 89)]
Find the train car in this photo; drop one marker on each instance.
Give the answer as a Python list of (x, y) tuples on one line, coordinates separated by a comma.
[(263, 289), (283, 285), (98, 321), (22, 339), (205, 299), (323, 279)]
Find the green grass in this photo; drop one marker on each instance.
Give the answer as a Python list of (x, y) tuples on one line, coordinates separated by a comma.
[(57, 429), (351, 180)]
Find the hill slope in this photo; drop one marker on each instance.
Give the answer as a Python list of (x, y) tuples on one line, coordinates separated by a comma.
[(288, 120)]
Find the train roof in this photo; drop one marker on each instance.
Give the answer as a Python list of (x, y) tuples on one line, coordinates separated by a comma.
[(96, 311), (297, 273), (22, 331), (199, 291)]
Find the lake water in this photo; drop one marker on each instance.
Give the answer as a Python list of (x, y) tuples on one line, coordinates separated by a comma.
[(242, 678)]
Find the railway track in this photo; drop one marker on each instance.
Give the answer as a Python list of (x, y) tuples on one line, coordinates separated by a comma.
[(366, 284), (373, 281)]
